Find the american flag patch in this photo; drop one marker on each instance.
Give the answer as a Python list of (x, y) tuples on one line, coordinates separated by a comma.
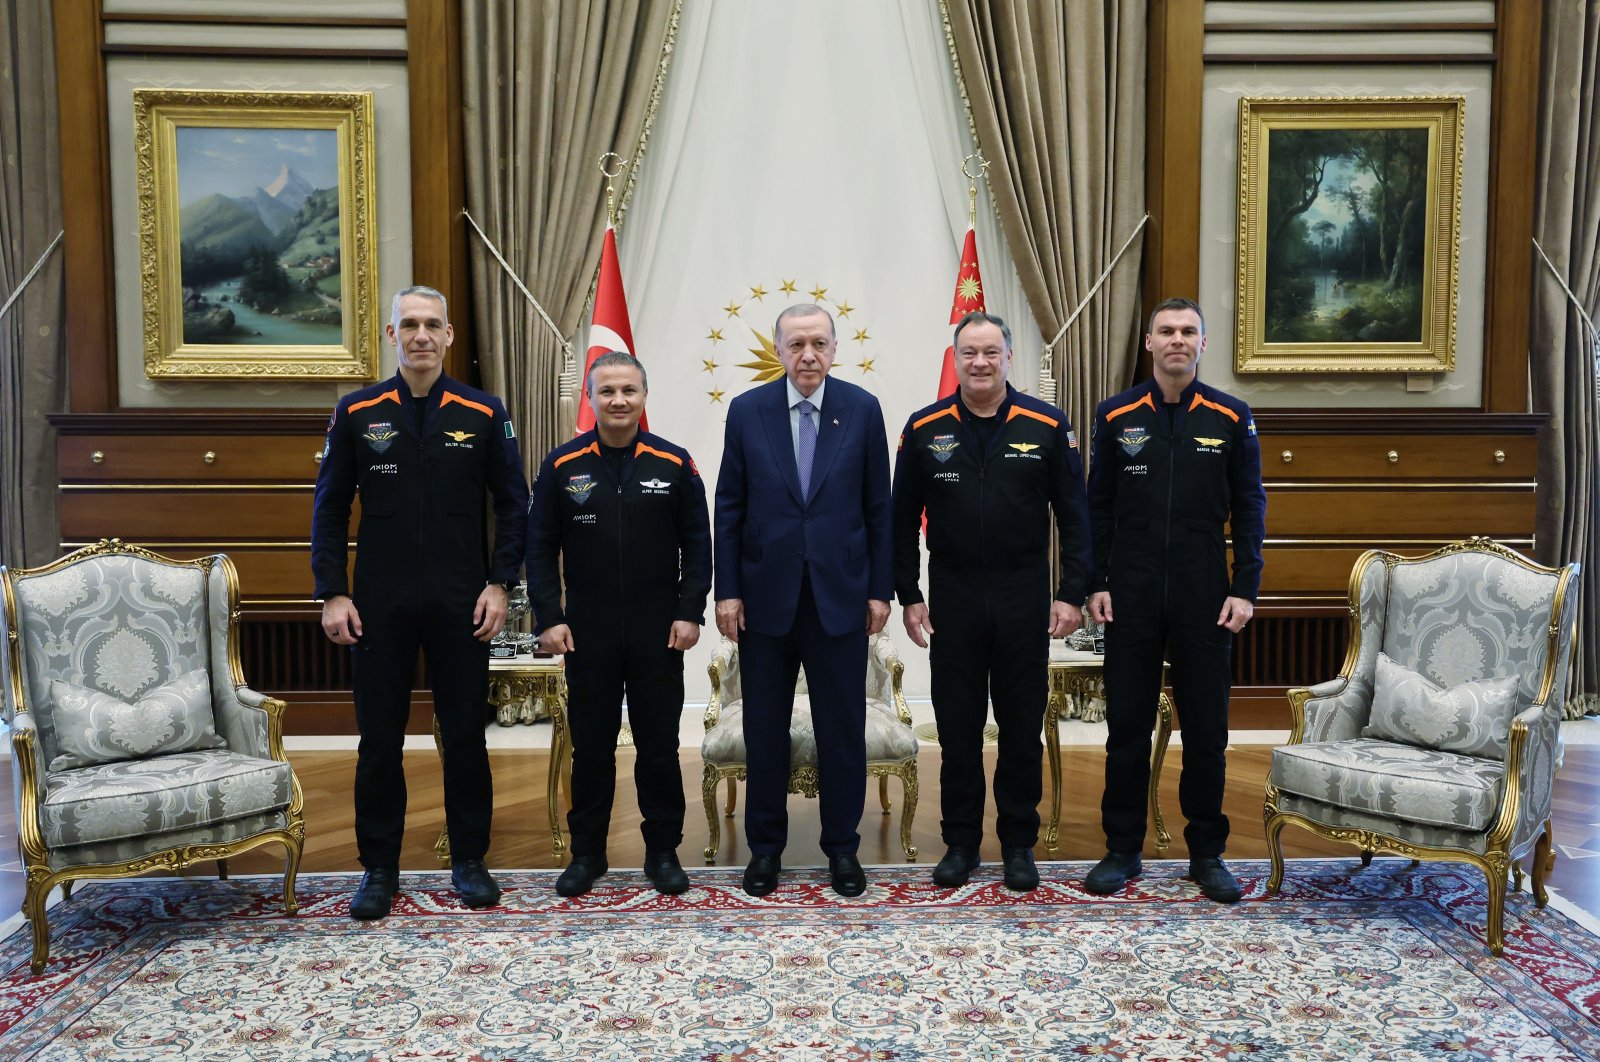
[(1072, 439)]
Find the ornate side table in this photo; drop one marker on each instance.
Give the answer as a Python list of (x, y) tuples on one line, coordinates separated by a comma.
[(1076, 677), (522, 690)]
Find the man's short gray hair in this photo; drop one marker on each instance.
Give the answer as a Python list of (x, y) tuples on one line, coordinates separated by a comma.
[(614, 357), (802, 309), (417, 289), (979, 317)]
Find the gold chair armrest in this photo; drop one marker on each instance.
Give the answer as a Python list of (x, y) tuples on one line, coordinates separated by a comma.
[(723, 671), (1532, 723), (886, 670), (27, 782)]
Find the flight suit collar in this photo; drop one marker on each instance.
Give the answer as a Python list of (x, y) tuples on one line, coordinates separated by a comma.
[(1002, 412)]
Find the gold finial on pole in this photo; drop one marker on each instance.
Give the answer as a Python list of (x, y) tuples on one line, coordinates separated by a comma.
[(611, 171), (972, 184)]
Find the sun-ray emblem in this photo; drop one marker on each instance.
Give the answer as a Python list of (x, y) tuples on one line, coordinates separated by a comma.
[(765, 365)]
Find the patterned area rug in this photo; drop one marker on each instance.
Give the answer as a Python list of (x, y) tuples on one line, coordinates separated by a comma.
[(1349, 964)]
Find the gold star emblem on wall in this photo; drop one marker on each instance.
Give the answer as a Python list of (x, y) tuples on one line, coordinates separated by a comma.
[(844, 308), (732, 308), (861, 335), (818, 292), (716, 394), (865, 364), (758, 293), (767, 365), (710, 365), (788, 287), (715, 335)]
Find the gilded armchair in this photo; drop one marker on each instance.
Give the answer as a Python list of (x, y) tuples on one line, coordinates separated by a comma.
[(136, 744), (1440, 738), (891, 744)]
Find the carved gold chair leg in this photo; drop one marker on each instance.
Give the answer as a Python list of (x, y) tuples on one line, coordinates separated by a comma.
[(1497, 909), (1516, 877), (66, 889), (33, 900), (222, 870), (733, 795), (1275, 826), (883, 792), (1366, 857), (708, 793), (908, 794), (1544, 861), (291, 871)]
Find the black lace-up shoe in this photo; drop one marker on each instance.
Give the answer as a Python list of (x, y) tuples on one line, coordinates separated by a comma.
[(1022, 874), (956, 866), (1214, 879), (580, 874), (474, 883), (761, 876), (1113, 872), (848, 877), (664, 869), (375, 895)]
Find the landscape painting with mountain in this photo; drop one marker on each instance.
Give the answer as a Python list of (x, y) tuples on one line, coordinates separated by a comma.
[(259, 235)]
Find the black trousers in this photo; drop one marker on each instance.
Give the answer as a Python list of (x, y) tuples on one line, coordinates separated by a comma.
[(598, 675), (836, 677), (382, 665), (992, 642), (1201, 655)]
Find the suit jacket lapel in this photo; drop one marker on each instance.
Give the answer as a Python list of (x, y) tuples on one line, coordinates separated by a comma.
[(833, 420), (775, 417)]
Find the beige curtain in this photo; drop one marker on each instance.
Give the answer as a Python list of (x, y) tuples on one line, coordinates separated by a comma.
[(549, 87), (1057, 99), (32, 355), (1567, 226)]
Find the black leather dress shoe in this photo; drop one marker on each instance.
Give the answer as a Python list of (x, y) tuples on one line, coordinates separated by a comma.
[(848, 877), (475, 884), (664, 869), (1214, 879), (1113, 872), (761, 876), (1022, 874), (375, 895), (956, 866), (580, 874)]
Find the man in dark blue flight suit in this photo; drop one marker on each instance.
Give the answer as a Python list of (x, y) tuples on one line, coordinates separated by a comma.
[(988, 464), (1173, 462), (622, 513), (422, 450)]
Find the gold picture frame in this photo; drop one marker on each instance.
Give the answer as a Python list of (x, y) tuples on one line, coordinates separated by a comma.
[(1349, 233), (257, 238)]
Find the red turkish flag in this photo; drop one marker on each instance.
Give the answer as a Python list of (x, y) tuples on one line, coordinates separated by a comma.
[(610, 328), (968, 297)]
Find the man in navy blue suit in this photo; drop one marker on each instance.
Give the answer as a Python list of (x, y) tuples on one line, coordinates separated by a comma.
[(804, 570)]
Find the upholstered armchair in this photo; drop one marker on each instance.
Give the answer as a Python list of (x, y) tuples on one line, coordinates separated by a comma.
[(891, 744), (1441, 736), (136, 745)]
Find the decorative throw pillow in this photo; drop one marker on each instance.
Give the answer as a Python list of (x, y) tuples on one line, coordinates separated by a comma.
[(93, 727), (1473, 718)]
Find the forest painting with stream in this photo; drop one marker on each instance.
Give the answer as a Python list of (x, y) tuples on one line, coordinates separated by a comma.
[(259, 232), (1346, 235)]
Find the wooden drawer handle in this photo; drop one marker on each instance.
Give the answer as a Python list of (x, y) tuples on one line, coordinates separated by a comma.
[(1499, 457), (97, 457), (1287, 455), (1394, 457), (209, 457)]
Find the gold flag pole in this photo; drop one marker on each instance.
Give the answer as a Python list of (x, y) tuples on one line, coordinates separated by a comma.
[(972, 184), (611, 171)]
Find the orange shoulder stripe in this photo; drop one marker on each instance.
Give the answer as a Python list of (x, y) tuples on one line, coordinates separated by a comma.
[(641, 448), (947, 411), (1018, 411), (387, 396), (1131, 406), (451, 396), (1198, 402), (592, 448)]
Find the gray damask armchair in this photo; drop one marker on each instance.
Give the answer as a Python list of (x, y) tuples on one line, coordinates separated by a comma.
[(1440, 738), (136, 745)]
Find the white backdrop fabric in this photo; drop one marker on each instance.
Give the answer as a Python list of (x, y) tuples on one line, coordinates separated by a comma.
[(817, 143)]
